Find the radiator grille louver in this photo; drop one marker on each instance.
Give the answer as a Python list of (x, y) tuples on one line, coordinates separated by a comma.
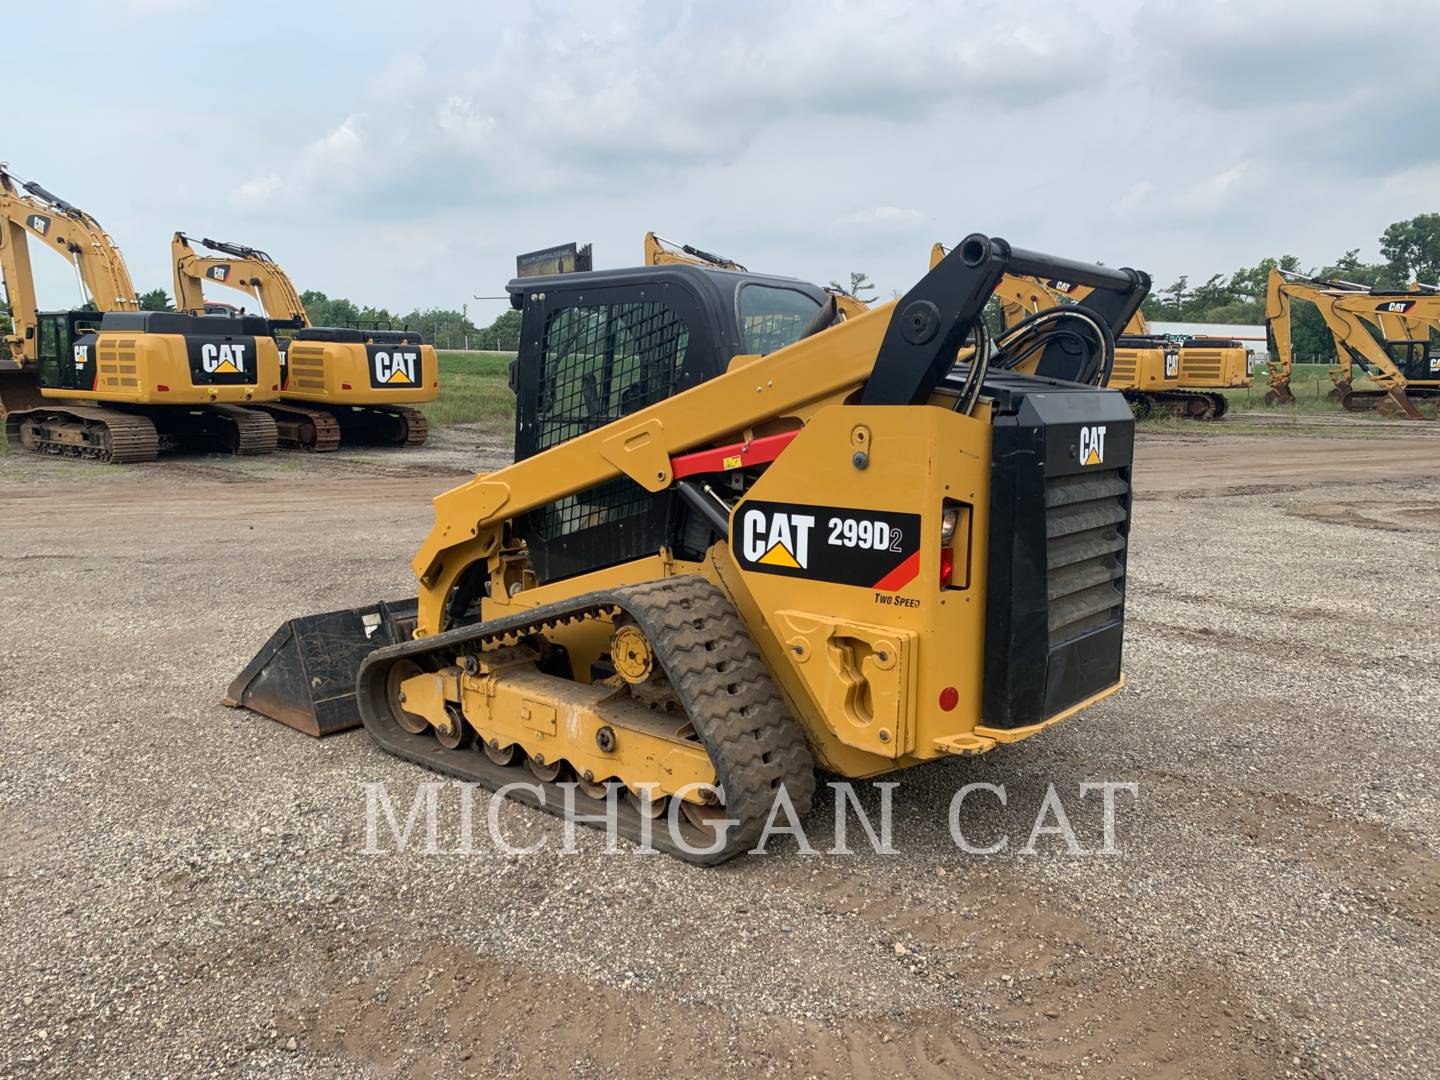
[(1085, 524), (307, 367)]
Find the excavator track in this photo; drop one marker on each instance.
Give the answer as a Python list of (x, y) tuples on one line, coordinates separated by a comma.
[(1182, 404), (299, 427), (713, 670), (383, 425), (84, 431), (417, 428), (253, 432)]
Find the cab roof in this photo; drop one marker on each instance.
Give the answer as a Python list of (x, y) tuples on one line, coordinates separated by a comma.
[(712, 284)]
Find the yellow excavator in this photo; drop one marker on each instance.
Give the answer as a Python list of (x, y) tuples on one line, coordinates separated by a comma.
[(727, 555), (1147, 368), (1204, 366), (1403, 368), (109, 382), (337, 384)]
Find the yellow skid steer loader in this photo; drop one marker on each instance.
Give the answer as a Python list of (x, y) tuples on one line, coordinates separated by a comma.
[(742, 539)]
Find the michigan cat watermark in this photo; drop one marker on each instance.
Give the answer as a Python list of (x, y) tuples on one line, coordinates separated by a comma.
[(472, 814)]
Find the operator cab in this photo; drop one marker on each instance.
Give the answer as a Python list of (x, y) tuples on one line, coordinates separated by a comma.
[(599, 345)]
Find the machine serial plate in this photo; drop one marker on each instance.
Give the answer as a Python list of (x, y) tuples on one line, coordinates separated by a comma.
[(871, 549)]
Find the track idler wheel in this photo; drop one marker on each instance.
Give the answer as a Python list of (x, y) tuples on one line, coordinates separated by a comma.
[(645, 806), (408, 721), (459, 735), (590, 788)]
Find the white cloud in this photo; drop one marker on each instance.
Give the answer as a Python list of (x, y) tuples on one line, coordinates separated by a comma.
[(408, 166), (1211, 193), (585, 102), (258, 192), (888, 219)]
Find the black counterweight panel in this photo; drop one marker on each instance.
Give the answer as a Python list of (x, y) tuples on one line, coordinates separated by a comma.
[(1059, 524)]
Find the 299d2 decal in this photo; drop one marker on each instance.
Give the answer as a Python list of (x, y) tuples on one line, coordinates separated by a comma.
[(866, 548)]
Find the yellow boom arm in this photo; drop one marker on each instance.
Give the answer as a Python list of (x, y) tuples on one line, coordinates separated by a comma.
[(66, 230), (247, 269)]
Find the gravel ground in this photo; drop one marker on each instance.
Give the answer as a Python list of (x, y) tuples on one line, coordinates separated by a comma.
[(183, 888)]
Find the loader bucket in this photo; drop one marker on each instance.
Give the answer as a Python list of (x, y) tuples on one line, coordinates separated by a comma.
[(304, 676)]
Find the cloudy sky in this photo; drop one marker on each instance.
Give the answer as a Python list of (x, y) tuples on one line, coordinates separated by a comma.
[(402, 154)]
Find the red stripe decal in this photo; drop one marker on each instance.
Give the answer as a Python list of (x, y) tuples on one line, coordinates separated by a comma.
[(735, 456), (901, 576)]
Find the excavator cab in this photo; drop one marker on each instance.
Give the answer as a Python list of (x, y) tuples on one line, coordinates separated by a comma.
[(56, 333)]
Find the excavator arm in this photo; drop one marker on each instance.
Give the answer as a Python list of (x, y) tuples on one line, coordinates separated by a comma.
[(1346, 313), (19, 294), (236, 266), (1277, 318), (73, 234)]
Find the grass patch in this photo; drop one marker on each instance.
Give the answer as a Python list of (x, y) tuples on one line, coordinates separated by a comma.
[(1310, 383), (474, 389)]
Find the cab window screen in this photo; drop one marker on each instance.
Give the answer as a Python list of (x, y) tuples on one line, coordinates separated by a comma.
[(600, 363), (603, 362), (772, 318)]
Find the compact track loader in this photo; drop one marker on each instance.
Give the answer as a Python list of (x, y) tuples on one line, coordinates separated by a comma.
[(743, 538)]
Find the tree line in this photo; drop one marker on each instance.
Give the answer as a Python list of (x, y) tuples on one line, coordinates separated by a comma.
[(444, 328), (1409, 250)]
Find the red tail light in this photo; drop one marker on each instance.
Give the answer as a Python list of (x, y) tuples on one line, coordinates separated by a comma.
[(162, 388), (344, 386), (947, 566)]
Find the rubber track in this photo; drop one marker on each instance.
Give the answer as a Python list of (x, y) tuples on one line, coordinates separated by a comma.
[(327, 428), (132, 438), (712, 664), (255, 431)]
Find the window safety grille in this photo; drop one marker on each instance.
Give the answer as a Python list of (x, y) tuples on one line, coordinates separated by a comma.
[(600, 363)]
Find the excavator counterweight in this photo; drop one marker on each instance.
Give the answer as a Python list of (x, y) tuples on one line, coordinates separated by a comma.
[(338, 384)]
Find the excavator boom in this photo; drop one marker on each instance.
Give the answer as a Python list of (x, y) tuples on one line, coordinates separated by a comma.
[(246, 269)]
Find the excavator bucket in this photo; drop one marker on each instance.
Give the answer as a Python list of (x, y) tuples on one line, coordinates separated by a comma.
[(1396, 403), (304, 676), (1280, 394), (19, 389)]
